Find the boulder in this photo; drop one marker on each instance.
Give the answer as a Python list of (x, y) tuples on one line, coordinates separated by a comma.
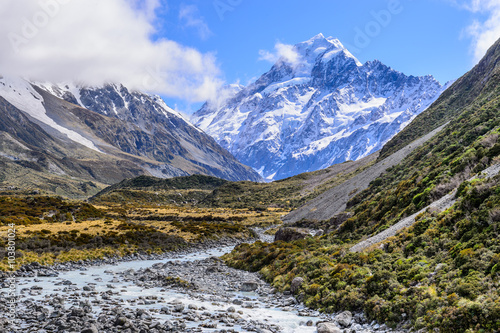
[(344, 318), (249, 286), (90, 329), (296, 283), (288, 234), (179, 307), (328, 328), (122, 321), (77, 312)]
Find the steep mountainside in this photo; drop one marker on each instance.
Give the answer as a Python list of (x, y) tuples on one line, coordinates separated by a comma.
[(481, 80), (324, 108), (54, 143), (442, 272), (334, 201), (166, 135)]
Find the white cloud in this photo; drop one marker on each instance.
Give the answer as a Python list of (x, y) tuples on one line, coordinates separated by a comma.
[(281, 51), (190, 17), (95, 41), (483, 32), (224, 94)]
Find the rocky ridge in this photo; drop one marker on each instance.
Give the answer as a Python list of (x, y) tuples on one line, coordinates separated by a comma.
[(57, 142)]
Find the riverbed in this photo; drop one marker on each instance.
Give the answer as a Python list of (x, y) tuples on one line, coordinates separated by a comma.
[(193, 292), (189, 291)]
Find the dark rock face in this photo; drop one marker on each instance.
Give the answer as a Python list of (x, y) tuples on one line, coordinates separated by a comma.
[(289, 234)]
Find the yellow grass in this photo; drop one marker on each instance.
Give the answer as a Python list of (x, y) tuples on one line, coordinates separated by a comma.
[(243, 217), (65, 256), (92, 227)]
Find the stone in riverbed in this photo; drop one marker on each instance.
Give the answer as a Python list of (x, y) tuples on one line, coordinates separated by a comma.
[(344, 318), (296, 283), (122, 321), (91, 329), (326, 327), (77, 312), (249, 305), (178, 307), (249, 286), (357, 327), (209, 324)]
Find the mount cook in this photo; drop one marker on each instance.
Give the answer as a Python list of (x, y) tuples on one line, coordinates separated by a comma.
[(317, 108)]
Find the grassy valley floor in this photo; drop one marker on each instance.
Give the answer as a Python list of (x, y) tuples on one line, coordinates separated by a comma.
[(51, 229)]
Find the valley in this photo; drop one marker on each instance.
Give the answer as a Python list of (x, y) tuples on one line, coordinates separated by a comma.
[(325, 196)]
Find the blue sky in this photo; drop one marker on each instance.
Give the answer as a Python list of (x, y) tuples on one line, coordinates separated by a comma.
[(419, 37), (185, 50)]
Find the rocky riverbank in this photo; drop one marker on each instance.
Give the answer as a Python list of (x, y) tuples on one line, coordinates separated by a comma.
[(178, 292), (34, 269)]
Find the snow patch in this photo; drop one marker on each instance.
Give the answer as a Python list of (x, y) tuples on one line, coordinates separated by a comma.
[(21, 94), (293, 82)]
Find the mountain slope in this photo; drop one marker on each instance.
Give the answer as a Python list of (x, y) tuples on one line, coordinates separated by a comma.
[(145, 138), (206, 191), (322, 109), (169, 134), (334, 201)]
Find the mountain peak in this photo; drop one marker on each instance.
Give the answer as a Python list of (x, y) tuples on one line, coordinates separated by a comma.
[(318, 36), (315, 109), (319, 43), (324, 47)]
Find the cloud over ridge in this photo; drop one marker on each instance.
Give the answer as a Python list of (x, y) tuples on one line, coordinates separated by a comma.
[(484, 33), (281, 51), (95, 42)]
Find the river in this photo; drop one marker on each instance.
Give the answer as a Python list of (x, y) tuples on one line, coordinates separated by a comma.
[(124, 290)]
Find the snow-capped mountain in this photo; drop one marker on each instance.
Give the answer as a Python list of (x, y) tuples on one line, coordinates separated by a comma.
[(60, 134), (321, 108)]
